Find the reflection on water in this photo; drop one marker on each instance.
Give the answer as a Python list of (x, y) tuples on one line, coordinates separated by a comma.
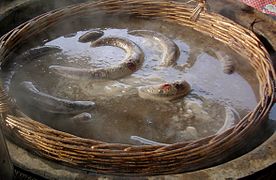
[(120, 113)]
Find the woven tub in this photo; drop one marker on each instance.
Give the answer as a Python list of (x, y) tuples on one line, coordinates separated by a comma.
[(116, 158)]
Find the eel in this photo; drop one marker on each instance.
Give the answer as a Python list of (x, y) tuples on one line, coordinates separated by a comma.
[(165, 92), (133, 61), (227, 63), (170, 49), (81, 118), (31, 95), (231, 118), (147, 141), (24, 58), (92, 35)]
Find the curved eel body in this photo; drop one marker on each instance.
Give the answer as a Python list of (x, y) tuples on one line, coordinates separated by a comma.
[(147, 141), (50, 103), (24, 58), (165, 92), (231, 118), (132, 62), (91, 36), (226, 62), (171, 50)]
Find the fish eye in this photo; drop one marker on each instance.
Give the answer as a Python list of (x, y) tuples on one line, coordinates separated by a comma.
[(178, 85)]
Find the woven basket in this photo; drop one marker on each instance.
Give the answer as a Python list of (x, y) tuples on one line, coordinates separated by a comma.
[(116, 158)]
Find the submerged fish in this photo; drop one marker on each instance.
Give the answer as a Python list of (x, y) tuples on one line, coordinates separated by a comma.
[(231, 118), (227, 63), (24, 58), (82, 118), (165, 92), (146, 141), (92, 35), (170, 49), (133, 60), (31, 95)]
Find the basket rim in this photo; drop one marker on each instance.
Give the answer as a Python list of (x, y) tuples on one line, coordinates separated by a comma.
[(193, 152)]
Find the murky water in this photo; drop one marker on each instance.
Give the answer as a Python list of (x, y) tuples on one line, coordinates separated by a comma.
[(120, 113)]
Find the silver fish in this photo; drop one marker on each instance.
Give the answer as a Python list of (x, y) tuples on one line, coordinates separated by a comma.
[(22, 59), (147, 141), (82, 118), (92, 35), (132, 62), (171, 50), (31, 95), (231, 118), (227, 63), (165, 92)]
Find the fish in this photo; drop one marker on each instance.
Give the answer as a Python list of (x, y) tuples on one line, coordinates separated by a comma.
[(81, 118), (227, 63), (92, 35), (147, 141), (231, 118), (132, 62), (165, 92), (170, 49), (31, 95), (30, 55)]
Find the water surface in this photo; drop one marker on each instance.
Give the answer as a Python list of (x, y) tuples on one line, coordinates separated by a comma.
[(120, 112)]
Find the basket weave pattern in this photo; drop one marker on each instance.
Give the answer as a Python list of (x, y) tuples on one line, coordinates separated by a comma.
[(115, 158)]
